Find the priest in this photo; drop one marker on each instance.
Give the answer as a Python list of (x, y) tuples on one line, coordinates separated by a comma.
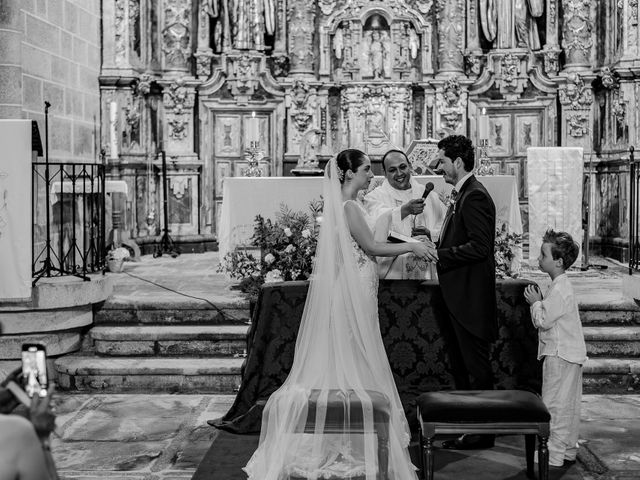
[(412, 215)]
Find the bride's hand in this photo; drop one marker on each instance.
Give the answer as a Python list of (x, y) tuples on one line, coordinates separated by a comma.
[(426, 251)]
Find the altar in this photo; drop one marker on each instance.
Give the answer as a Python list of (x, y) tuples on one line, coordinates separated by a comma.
[(246, 197), (414, 326)]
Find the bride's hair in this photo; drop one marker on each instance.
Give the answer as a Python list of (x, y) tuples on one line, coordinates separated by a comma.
[(349, 159)]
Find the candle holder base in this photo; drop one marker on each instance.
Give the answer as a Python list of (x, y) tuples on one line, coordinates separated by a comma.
[(253, 155)]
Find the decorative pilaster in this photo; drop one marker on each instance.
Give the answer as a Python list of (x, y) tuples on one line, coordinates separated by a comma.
[(576, 98), (122, 37), (178, 101), (551, 49), (301, 103), (578, 33), (451, 18), (301, 22), (451, 103)]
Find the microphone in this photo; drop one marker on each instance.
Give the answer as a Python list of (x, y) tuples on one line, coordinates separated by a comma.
[(427, 190)]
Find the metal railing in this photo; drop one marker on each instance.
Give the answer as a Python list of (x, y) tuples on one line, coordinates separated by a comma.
[(68, 219), (634, 208)]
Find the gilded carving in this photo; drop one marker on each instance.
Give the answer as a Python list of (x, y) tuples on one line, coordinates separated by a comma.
[(451, 103), (280, 66), (451, 34), (575, 93), (134, 26), (302, 105), (120, 32), (608, 78), (244, 79), (551, 61), (510, 71), (301, 30), (578, 125), (576, 31), (178, 98), (327, 6), (176, 33)]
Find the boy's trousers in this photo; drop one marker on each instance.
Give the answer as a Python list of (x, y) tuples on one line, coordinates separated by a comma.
[(562, 394)]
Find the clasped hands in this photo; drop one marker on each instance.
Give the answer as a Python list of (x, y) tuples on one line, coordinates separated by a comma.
[(426, 249)]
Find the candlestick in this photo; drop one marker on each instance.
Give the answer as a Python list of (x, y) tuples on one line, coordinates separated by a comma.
[(113, 131), (483, 125)]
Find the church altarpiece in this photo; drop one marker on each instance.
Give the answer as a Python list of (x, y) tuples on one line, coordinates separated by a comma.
[(205, 80)]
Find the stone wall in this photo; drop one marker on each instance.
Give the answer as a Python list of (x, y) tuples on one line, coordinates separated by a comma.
[(50, 51)]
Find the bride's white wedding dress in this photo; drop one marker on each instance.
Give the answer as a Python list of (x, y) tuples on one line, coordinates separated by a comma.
[(339, 347)]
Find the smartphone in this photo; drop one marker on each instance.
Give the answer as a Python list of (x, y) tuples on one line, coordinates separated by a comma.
[(34, 369)]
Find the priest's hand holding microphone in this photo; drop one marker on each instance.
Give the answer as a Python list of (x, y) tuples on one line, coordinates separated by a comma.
[(416, 207)]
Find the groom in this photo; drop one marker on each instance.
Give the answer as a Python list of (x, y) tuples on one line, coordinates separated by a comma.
[(466, 269)]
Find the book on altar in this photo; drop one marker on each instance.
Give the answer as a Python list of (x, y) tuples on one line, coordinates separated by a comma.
[(395, 237)]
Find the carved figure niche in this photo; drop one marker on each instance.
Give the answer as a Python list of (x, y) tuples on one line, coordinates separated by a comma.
[(375, 48)]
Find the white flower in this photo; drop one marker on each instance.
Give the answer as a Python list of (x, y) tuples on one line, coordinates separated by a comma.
[(273, 276), (306, 233), (289, 249), (269, 258), (295, 274), (287, 231)]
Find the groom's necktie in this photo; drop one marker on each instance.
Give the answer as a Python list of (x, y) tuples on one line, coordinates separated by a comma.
[(450, 210)]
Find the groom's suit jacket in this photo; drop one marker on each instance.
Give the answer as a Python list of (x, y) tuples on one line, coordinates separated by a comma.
[(466, 265)]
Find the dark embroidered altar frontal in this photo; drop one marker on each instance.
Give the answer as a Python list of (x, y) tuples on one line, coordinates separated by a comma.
[(412, 320)]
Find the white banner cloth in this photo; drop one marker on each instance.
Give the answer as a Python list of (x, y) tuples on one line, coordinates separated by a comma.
[(15, 210), (554, 178), (245, 197)]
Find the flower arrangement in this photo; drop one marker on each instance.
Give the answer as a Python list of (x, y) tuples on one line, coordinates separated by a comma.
[(119, 253), (288, 245), (506, 245), (287, 248)]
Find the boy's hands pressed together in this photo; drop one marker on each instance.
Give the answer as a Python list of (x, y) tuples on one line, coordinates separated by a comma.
[(532, 294)]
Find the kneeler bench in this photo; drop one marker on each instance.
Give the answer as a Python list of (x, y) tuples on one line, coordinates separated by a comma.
[(484, 412), (336, 410)]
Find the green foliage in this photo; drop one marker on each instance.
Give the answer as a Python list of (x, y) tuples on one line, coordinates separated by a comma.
[(287, 248), (506, 246)]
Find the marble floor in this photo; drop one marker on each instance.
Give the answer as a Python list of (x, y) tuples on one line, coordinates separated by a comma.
[(157, 437)]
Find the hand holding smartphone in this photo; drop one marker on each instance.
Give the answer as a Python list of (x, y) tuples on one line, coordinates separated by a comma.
[(34, 369)]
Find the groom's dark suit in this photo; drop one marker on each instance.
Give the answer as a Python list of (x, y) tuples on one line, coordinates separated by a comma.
[(466, 270)]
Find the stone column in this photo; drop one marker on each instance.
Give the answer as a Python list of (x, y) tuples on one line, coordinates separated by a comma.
[(630, 30), (551, 48), (578, 32), (176, 36), (301, 22), (451, 18), (10, 60), (203, 53)]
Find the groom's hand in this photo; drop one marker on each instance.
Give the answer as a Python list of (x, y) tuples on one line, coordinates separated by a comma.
[(432, 252)]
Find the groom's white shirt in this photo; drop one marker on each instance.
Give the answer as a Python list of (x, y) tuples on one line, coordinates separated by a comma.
[(385, 199)]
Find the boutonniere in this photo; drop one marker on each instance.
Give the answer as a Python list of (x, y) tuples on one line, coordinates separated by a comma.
[(450, 202)]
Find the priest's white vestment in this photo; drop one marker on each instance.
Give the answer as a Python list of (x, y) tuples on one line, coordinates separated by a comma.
[(385, 199)]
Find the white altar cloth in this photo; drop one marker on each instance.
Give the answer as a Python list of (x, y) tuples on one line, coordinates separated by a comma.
[(245, 197)]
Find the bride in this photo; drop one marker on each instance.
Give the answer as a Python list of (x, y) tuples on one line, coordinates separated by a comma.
[(339, 355)]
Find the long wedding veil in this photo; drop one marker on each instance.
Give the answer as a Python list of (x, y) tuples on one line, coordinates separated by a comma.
[(339, 361)]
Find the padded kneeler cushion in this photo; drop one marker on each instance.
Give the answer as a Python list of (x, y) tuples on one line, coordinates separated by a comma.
[(482, 406)]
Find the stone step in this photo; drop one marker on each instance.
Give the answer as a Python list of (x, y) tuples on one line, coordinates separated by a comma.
[(601, 315), (159, 374), (611, 375), (173, 340), (613, 342), (189, 313)]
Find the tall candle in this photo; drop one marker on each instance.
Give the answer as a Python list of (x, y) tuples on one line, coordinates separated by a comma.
[(113, 131), (483, 125), (253, 134)]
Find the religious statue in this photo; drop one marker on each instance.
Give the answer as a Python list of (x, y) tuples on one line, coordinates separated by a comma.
[(519, 13), (308, 149), (524, 13), (248, 21), (338, 43)]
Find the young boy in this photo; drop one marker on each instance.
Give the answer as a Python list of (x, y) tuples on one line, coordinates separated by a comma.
[(560, 343)]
